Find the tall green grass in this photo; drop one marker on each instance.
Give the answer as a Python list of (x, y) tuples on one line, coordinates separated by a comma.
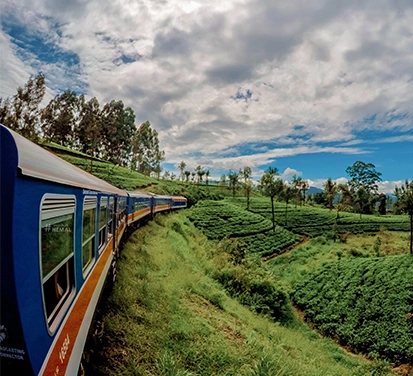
[(168, 315)]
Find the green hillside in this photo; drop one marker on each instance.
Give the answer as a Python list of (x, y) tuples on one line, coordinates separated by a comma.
[(222, 219), (315, 221), (366, 304), (169, 315)]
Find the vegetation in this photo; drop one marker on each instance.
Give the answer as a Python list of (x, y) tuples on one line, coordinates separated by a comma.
[(69, 120), (222, 219), (271, 187), (366, 304), (404, 203), (315, 221), (168, 315)]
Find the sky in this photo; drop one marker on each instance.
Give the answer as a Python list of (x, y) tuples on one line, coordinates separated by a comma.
[(309, 87)]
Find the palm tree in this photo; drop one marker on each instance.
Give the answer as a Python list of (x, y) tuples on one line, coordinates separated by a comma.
[(206, 176)]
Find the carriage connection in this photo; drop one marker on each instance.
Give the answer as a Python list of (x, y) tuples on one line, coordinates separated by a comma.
[(60, 234)]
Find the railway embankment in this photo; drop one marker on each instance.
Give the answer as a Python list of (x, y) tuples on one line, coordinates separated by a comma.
[(177, 309)]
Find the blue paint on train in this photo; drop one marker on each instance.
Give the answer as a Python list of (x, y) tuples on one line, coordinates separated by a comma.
[(57, 222)]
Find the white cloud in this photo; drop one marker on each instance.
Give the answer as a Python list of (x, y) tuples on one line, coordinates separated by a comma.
[(327, 66), (290, 172), (389, 186)]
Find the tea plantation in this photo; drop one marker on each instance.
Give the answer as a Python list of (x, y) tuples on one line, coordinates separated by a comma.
[(366, 304), (314, 221), (221, 219)]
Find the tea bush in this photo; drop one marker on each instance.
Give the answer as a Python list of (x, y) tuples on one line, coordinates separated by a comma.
[(366, 303)]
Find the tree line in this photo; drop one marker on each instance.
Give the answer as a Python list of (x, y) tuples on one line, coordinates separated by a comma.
[(107, 132)]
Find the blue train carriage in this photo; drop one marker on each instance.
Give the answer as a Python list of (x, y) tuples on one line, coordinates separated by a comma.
[(60, 227), (139, 206), (161, 203), (179, 202)]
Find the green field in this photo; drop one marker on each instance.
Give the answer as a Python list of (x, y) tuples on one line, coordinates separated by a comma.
[(315, 221), (221, 219)]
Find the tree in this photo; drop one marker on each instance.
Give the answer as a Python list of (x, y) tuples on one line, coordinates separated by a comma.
[(248, 189), (382, 204), (145, 149), (296, 186), (200, 172), (346, 199), (233, 178), (21, 112), (330, 190), (206, 177), (118, 128), (89, 132), (246, 173), (181, 168), (404, 203), (223, 180), (187, 175), (305, 185), (364, 175), (271, 186), (60, 118), (287, 193)]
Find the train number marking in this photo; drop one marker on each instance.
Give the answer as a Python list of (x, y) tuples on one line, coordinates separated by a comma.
[(64, 348)]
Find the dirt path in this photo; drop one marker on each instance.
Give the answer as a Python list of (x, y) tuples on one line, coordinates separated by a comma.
[(303, 239)]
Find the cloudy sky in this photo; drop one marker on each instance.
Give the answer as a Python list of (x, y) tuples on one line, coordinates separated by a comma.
[(309, 87)]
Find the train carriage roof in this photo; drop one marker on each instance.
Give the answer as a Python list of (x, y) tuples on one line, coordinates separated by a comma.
[(139, 194), (39, 163), (179, 198)]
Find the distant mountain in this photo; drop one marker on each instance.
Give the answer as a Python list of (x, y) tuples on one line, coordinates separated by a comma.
[(314, 190)]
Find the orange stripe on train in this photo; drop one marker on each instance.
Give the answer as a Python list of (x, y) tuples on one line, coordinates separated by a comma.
[(60, 355)]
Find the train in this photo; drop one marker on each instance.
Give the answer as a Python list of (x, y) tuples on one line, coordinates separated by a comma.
[(61, 231)]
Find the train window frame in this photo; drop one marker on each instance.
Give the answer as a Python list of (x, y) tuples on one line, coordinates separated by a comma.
[(110, 223), (89, 203), (103, 229), (52, 207)]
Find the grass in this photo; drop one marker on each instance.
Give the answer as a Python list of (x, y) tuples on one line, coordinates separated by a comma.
[(167, 315)]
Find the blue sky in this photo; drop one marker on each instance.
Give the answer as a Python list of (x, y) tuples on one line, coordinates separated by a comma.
[(307, 87)]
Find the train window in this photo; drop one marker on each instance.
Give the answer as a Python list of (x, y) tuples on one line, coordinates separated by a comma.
[(111, 212), (88, 234), (102, 222), (57, 254), (121, 207)]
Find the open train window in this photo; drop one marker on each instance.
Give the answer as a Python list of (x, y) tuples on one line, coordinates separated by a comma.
[(88, 232), (57, 255), (121, 208), (103, 213)]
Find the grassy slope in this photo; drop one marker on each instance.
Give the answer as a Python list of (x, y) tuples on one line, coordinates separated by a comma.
[(167, 316)]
